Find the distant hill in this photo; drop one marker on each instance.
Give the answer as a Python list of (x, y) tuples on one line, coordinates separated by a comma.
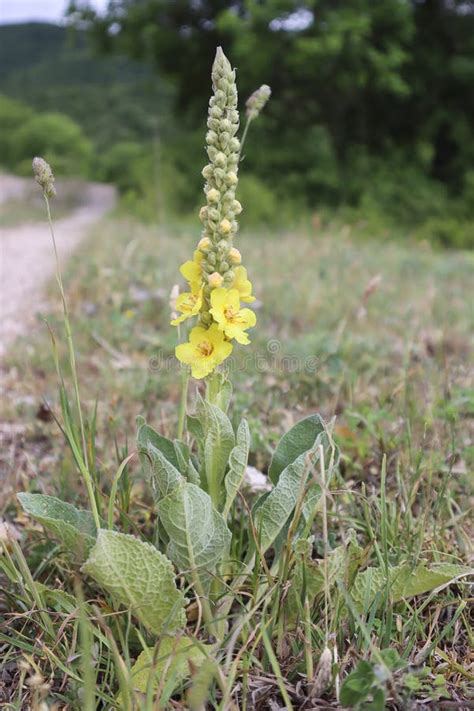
[(53, 68)]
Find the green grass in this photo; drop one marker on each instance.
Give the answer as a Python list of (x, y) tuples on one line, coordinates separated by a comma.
[(374, 333)]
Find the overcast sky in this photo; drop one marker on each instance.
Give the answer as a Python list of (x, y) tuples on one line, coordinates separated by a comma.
[(45, 10)]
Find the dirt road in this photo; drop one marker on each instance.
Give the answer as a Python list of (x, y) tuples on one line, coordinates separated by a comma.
[(26, 254)]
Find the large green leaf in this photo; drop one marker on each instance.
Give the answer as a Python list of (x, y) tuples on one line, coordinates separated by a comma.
[(147, 435), (168, 666), (237, 465), (199, 537), (404, 581), (218, 444), (163, 475), (408, 582), (295, 442), (139, 577), (185, 462), (273, 514), (75, 528)]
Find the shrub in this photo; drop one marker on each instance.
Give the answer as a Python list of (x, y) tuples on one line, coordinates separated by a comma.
[(448, 232), (13, 114), (55, 136)]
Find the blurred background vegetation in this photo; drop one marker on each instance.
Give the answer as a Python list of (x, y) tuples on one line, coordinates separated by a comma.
[(371, 116)]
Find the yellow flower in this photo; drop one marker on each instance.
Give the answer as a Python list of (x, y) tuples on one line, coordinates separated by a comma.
[(206, 349), (189, 304), (215, 279), (243, 285), (192, 271), (225, 308)]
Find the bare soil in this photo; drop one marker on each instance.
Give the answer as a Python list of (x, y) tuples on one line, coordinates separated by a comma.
[(26, 254)]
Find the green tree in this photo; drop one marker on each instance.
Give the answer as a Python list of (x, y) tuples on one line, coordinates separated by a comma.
[(378, 76)]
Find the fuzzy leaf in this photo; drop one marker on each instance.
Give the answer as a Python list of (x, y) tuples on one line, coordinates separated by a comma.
[(404, 582), (182, 455), (238, 463), (186, 465), (273, 514), (198, 534), (58, 600), (147, 435), (139, 577), (164, 476), (195, 427), (192, 475), (219, 390), (182, 652), (295, 442), (75, 528), (220, 440)]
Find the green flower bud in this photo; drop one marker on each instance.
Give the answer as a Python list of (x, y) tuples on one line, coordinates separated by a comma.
[(213, 124), (231, 179), (207, 172), (211, 137), (223, 247), (225, 226), (213, 214), (224, 138), (213, 195), (205, 318), (229, 277), (212, 152)]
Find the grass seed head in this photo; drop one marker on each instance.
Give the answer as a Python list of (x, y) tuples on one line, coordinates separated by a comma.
[(44, 176), (256, 101)]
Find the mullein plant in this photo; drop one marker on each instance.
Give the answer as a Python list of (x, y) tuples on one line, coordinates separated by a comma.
[(208, 547), (217, 279), (223, 576)]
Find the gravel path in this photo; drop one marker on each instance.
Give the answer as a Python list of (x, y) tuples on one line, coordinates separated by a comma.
[(26, 253)]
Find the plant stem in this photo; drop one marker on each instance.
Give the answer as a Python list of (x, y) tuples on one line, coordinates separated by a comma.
[(183, 401), (72, 361), (244, 135)]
